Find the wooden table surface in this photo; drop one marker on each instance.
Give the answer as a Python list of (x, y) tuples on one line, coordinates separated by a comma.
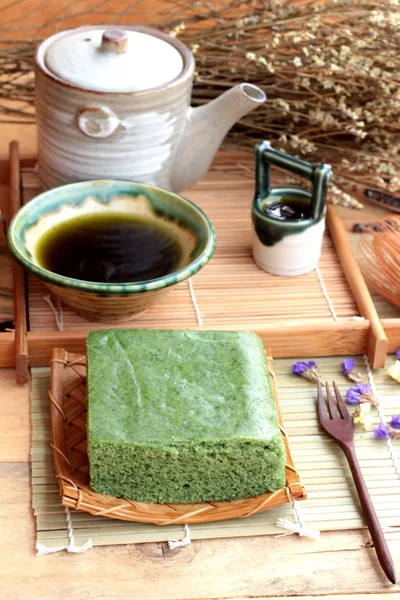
[(338, 566)]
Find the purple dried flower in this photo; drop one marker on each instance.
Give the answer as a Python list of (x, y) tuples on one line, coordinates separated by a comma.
[(382, 431), (361, 392), (395, 422), (398, 353), (347, 367), (307, 369), (299, 367)]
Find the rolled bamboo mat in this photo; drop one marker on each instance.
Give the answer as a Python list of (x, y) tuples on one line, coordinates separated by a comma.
[(330, 504)]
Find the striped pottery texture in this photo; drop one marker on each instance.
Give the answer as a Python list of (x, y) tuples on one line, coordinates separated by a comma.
[(142, 128), (107, 308)]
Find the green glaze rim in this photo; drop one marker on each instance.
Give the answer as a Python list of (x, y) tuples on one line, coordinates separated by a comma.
[(290, 192), (103, 190)]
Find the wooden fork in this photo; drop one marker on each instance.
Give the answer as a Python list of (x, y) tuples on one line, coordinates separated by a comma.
[(338, 424)]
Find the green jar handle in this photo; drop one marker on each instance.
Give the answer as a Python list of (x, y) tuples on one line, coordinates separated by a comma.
[(319, 175)]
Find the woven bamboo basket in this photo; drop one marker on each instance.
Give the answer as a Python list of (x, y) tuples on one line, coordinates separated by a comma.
[(68, 408)]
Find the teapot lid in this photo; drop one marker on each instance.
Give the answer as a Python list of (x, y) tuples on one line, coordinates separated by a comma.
[(114, 59)]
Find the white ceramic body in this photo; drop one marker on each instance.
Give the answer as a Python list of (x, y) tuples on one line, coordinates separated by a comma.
[(295, 254), (131, 136), (151, 136)]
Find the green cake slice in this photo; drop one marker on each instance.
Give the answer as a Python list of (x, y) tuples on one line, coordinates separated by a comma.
[(178, 416)]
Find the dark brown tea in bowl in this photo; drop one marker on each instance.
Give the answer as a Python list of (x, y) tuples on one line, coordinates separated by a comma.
[(109, 248)]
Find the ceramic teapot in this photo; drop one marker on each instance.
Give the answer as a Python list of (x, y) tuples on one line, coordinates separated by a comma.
[(115, 103)]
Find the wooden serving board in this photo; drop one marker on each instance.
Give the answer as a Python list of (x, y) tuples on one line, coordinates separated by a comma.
[(326, 312)]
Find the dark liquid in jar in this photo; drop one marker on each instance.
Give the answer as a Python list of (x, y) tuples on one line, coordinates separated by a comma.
[(109, 248), (288, 210)]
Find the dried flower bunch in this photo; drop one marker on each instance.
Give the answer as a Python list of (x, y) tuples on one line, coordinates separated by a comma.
[(331, 71), (360, 395), (307, 369)]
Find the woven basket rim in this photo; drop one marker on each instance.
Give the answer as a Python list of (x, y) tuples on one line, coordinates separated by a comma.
[(68, 371)]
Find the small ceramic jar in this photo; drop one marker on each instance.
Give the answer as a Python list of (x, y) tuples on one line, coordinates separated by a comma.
[(288, 222)]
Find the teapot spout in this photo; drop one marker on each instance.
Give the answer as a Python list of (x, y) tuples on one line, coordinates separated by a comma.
[(205, 127)]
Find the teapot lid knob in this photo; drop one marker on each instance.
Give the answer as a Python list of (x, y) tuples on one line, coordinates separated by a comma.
[(114, 41)]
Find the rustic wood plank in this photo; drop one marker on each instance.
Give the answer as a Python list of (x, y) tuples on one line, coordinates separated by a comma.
[(388, 596), (15, 419), (249, 567), (392, 330), (7, 349), (348, 337), (6, 286), (28, 161)]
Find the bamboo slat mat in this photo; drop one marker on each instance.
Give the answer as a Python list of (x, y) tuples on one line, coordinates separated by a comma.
[(331, 502), (231, 290)]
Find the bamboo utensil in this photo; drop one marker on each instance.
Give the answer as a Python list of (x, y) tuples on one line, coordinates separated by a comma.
[(336, 421)]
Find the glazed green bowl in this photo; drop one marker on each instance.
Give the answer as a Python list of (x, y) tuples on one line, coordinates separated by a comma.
[(111, 302)]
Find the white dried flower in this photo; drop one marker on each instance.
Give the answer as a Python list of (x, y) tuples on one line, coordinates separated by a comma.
[(276, 40), (343, 199), (297, 61), (318, 60), (176, 30), (375, 72), (299, 143), (283, 104), (251, 20), (345, 51), (377, 18)]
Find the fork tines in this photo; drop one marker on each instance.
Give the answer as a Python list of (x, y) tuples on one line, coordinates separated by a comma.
[(337, 410)]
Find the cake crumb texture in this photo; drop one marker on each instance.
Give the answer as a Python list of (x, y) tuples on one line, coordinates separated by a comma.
[(177, 416)]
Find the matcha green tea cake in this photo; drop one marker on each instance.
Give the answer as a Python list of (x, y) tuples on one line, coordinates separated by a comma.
[(181, 416)]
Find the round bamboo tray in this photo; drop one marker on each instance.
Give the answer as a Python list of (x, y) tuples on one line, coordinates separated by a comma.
[(68, 409)]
